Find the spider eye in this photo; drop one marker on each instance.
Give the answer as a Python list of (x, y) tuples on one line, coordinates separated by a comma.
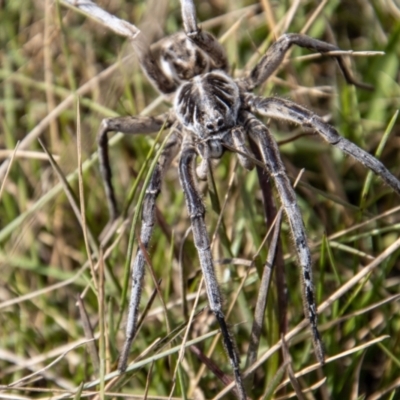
[(210, 127), (220, 122)]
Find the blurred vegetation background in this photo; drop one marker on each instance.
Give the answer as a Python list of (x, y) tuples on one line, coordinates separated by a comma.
[(51, 56)]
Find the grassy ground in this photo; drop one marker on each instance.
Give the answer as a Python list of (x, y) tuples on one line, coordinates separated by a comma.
[(49, 56)]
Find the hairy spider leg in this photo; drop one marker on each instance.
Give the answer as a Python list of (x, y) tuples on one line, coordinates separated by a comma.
[(270, 153), (126, 125), (196, 212), (204, 40), (275, 107), (153, 189), (276, 53), (245, 155)]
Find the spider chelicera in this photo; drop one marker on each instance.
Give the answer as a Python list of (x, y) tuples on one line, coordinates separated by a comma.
[(213, 112)]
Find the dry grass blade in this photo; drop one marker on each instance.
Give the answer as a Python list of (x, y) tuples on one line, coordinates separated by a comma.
[(87, 236), (140, 364), (185, 338), (89, 334), (259, 312), (293, 379), (3, 183), (364, 346), (103, 337), (49, 289), (392, 388), (41, 371), (64, 105), (71, 197), (211, 366), (155, 282), (305, 391), (350, 53), (25, 154), (362, 311), (356, 387)]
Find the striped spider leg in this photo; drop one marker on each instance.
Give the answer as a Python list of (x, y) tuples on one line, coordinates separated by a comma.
[(126, 125), (278, 108)]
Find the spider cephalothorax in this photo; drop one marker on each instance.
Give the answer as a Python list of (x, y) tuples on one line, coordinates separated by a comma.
[(213, 112), (208, 106)]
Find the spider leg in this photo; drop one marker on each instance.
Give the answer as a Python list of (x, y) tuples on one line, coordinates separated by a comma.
[(148, 219), (276, 53), (204, 40), (275, 107), (196, 211), (139, 42), (239, 140), (235, 141), (128, 125), (270, 153)]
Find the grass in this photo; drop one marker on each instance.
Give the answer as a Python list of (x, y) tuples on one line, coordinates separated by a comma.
[(53, 60)]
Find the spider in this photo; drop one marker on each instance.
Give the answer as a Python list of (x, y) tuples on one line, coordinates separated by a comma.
[(212, 113)]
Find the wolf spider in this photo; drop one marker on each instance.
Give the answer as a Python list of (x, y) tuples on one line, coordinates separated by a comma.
[(212, 113)]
